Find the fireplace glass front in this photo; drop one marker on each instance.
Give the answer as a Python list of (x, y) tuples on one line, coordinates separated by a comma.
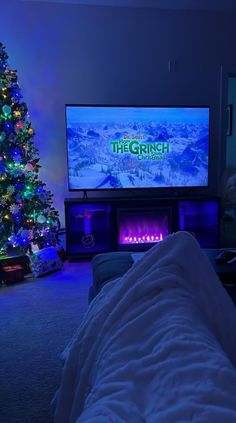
[(142, 228)]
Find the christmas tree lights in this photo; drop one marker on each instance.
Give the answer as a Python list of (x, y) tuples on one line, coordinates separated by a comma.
[(27, 217)]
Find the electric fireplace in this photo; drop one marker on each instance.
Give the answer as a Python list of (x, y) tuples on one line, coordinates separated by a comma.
[(140, 229), (100, 225)]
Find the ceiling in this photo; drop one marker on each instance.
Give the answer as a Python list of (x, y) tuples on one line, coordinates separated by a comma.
[(208, 5)]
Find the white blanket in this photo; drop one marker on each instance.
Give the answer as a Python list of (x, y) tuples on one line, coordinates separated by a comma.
[(157, 345)]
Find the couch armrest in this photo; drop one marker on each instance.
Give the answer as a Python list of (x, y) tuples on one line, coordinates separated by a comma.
[(108, 266)]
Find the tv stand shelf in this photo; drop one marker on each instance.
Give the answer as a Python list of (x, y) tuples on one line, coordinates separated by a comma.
[(96, 225)]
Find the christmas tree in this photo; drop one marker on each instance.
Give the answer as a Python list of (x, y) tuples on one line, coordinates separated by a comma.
[(27, 217)]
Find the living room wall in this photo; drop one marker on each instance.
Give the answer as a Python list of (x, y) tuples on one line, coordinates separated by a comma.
[(67, 53)]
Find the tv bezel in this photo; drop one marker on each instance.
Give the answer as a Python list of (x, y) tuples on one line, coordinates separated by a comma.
[(180, 189)]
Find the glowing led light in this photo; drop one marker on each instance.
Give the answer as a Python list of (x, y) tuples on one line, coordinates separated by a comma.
[(147, 238)]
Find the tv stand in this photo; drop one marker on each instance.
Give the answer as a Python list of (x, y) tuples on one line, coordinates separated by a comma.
[(97, 225)]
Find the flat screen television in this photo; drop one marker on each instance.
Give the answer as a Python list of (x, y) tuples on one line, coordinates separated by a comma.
[(124, 147)]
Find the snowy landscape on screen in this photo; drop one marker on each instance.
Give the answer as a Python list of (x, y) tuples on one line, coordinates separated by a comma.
[(93, 163)]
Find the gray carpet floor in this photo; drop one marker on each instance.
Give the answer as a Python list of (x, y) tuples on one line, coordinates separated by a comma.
[(38, 317)]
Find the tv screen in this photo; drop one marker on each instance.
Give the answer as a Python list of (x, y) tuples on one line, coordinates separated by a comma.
[(115, 147)]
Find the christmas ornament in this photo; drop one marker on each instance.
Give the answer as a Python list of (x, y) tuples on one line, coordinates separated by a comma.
[(41, 218), (28, 167), (17, 114), (6, 109), (31, 131), (17, 158), (26, 234), (19, 125), (14, 208)]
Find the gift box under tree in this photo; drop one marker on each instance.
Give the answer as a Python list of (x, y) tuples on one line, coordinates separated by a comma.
[(45, 261), (12, 274)]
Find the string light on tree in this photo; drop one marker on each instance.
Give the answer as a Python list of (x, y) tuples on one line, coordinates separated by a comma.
[(26, 210)]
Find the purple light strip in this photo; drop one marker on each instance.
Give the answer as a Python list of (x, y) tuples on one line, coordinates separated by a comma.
[(151, 238)]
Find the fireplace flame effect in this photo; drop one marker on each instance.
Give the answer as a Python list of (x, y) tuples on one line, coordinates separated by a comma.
[(147, 238), (143, 227)]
